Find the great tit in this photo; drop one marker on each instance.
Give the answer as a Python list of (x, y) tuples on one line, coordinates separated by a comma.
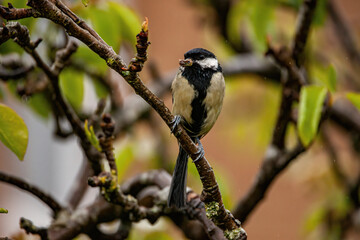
[(198, 92)]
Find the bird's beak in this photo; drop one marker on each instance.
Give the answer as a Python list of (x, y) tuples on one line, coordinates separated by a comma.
[(185, 62)]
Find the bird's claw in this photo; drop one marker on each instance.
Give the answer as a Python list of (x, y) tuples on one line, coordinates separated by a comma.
[(200, 152), (175, 122)]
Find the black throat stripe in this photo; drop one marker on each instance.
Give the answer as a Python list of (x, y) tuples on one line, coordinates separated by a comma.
[(200, 79)]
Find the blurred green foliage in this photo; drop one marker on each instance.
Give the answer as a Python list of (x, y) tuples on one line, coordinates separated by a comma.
[(324, 75), (256, 17), (3, 210), (72, 86), (150, 234), (255, 113), (40, 104), (115, 23), (354, 99), (100, 89), (123, 159), (328, 214)]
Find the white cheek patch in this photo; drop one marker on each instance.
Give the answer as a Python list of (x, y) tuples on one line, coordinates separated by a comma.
[(208, 63)]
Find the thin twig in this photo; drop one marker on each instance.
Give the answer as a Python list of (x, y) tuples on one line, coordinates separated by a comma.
[(272, 165), (77, 20), (29, 227), (304, 21), (11, 13), (47, 199), (83, 220), (80, 186), (106, 141)]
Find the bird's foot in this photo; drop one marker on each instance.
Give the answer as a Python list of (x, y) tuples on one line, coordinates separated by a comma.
[(200, 152), (176, 121)]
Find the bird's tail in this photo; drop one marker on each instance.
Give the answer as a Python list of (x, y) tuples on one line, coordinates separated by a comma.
[(177, 193)]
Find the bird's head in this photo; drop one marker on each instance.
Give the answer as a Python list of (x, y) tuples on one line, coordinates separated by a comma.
[(199, 56)]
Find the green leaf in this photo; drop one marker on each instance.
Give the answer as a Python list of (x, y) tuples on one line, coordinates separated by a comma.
[(354, 99), (310, 106), (85, 2), (331, 78), (256, 17), (10, 47), (90, 58), (123, 160), (114, 22), (100, 89), (13, 131), (320, 13), (261, 18), (40, 104), (105, 23), (129, 22), (72, 87), (90, 134), (236, 14), (324, 75), (3, 210), (315, 218)]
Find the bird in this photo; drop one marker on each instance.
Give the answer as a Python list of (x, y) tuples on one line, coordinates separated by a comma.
[(198, 91)]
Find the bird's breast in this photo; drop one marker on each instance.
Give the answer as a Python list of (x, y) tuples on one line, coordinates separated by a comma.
[(198, 107), (183, 94), (213, 101)]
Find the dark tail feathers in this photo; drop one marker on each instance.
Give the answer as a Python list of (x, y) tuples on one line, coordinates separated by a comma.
[(177, 193)]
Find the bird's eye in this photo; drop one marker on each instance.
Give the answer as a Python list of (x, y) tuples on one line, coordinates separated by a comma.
[(202, 57)]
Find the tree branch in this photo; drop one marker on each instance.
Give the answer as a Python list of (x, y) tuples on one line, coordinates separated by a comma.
[(277, 157), (61, 16), (80, 186), (272, 165), (47, 199), (11, 13), (85, 220), (29, 227), (252, 64), (106, 141), (304, 21), (77, 20)]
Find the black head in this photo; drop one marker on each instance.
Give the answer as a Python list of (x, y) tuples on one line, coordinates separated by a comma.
[(199, 54)]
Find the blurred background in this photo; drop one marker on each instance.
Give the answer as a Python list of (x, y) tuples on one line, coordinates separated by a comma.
[(294, 207)]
